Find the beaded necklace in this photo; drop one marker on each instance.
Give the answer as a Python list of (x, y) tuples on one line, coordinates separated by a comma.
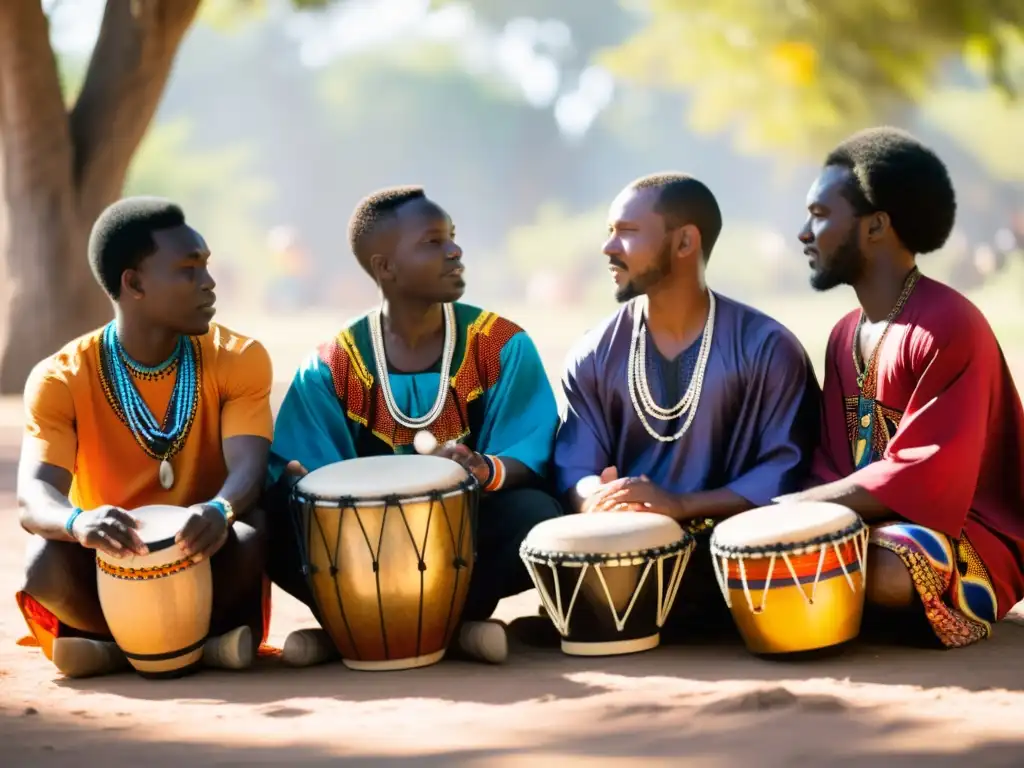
[(160, 441), (381, 362), (867, 376), (636, 374)]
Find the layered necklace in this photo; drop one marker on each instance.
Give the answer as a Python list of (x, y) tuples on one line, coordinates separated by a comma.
[(160, 440), (636, 373), (381, 361)]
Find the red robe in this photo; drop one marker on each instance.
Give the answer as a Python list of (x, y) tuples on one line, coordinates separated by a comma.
[(949, 429)]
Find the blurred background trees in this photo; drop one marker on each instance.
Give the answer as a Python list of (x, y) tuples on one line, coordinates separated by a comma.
[(522, 117)]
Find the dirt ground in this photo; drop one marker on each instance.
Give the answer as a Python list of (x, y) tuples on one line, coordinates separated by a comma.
[(712, 705)]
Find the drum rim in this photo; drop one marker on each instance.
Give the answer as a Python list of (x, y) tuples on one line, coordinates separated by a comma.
[(160, 545), (469, 484), (537, 554), (767, 550)]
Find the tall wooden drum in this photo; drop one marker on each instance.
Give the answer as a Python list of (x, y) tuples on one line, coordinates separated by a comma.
[(157, 605), (607, 580), (793, 575), (388, 549)]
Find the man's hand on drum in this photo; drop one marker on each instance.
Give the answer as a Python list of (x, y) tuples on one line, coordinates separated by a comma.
[(109, 529), (471, 461), (203, 533), (631, 494)]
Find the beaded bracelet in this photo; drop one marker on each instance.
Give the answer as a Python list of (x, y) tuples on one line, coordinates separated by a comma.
[(223, 506), (496, 478), (69, 524)]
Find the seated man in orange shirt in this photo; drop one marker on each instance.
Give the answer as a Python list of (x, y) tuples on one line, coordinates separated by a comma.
[(160, 406)]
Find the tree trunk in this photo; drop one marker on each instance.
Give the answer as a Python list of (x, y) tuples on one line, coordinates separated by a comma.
[(59, 170)]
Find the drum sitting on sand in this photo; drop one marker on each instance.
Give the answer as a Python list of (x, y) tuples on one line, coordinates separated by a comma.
[(607, 580), (157, 605), (388, 547), (793, 575)]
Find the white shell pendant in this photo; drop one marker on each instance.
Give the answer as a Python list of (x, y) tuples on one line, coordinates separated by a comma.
[(166, 475)]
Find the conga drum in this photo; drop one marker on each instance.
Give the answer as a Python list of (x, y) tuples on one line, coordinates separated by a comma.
[(792, 575), (388, 547), (157, 605), (607, 580)]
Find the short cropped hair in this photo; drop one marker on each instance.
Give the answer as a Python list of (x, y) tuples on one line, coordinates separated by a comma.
[(123, 236), (682, 199), (371, 213), (894, 172)]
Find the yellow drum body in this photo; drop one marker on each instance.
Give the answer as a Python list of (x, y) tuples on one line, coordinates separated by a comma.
[(607, 580), (158, 605), (388, 551), (793, 575)]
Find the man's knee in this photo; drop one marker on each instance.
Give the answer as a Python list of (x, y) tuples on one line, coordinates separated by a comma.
[(248, 540), (243, 558), (889, 584), (54, 569), (61, 576)]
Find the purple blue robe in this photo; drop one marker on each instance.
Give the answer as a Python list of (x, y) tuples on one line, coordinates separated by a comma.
[(756, 424)]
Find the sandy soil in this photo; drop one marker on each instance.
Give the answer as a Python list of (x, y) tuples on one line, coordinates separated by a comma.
[(712, 705)]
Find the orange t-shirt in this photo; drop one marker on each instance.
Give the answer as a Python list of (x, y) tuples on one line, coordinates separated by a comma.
[(70, 422)]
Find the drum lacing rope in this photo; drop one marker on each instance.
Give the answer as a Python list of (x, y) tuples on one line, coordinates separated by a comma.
[(665, 604), (470, 486), (561, 620), (858, 539), (313, 516)]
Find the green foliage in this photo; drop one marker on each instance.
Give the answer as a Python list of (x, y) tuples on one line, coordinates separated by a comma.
[(797, 75), (229, 15), (988, 124)]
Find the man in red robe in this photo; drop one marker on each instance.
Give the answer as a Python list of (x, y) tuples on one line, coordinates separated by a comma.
[(922, 427)]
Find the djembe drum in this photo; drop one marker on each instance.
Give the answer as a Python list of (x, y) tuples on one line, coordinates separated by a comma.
[(157, 605), (607, 580), (388, 549), (792, 575)]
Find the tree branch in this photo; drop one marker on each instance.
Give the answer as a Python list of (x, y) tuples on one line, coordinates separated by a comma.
[(34, 137), (127, 73)]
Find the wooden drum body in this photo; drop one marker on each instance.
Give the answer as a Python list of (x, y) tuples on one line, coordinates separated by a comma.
[(607, 579), (158, 605), (388, 549), (793, 575)]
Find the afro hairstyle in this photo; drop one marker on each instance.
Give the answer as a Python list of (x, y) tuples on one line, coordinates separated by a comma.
[(892, 171)]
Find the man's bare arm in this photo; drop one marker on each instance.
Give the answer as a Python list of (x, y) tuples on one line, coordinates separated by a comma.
[(43, 504)]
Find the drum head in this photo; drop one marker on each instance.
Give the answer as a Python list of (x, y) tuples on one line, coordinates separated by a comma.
[(604, 533), (159, 524), (784, 526), (373, 477)]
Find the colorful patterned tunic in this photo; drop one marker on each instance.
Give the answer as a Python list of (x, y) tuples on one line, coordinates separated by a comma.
[(937, 436), (499, 400)]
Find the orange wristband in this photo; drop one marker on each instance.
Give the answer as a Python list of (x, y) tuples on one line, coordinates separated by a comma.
[(497, 473)]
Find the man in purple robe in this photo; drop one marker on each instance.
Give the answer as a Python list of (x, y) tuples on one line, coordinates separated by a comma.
[(683, 402)]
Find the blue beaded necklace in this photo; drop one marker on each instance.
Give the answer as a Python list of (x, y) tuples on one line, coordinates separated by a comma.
[(159, 440)]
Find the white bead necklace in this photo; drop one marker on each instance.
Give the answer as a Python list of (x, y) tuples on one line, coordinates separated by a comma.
[(636, 373), (381, 361)]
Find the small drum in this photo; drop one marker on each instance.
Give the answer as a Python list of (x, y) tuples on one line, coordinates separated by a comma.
[(388, 546), (607, 580), (793, 575), (158, 605)]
